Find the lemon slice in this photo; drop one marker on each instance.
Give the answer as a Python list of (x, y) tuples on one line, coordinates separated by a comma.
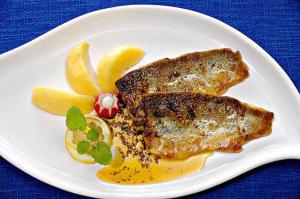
[(80, 74), (112, 66), (93, 122), (72, 149), (59, 102)]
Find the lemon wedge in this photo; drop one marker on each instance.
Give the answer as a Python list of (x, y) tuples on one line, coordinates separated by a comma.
[(70, 137), (59, 102), (112, 66), (80, 74)]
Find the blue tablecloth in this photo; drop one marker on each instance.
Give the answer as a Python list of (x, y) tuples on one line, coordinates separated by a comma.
[(274, 25)]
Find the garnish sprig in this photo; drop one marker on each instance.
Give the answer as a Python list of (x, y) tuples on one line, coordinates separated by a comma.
[(100, 151)]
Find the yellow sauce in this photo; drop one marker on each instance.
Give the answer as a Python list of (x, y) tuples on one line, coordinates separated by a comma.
[(132, 172)]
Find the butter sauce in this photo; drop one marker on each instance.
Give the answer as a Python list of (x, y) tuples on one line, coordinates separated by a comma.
[(131, 171)]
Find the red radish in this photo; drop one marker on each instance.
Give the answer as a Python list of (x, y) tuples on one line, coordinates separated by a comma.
[(106, 105)]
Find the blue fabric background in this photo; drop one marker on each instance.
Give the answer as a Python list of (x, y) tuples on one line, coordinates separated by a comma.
[(274, 25)]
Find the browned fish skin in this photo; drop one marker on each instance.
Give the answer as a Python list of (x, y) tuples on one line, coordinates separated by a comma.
[(179, 125), (210, 72)]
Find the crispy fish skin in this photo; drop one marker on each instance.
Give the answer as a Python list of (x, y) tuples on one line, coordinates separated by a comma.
[(178, 125), (209, 72)]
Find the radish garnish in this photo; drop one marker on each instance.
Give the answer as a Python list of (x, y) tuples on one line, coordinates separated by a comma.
[(106, 105)]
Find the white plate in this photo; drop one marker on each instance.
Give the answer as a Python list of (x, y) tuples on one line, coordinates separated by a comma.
[(33, 140)]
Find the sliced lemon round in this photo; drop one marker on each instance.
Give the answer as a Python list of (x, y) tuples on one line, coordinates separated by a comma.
[(112, 66), (80, 74), (93, 122), (72, 149), (96, 122)]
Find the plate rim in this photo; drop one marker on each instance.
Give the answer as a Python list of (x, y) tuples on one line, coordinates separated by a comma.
[(24, 164)]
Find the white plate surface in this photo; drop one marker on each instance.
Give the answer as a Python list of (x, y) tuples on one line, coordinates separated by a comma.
[(33, 140)]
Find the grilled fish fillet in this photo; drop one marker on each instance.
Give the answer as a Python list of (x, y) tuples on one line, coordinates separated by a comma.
[(209, 72), (178, 125)]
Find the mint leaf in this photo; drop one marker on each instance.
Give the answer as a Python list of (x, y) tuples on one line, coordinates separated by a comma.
[(82, 147), (75, 119), (93, 134), (101, 153)]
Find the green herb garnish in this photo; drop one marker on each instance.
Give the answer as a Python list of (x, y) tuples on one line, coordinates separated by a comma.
[(101, 153), (93, 134), (75, 119), (83, 147)]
